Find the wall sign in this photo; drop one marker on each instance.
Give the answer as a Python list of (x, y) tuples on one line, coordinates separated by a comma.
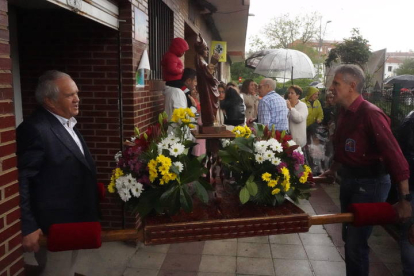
[(141, 26)]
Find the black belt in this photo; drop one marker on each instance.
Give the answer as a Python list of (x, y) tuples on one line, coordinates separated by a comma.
[(373, 171)]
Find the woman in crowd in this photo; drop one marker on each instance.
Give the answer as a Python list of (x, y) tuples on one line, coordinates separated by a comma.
[(220, 117), (298, 112), (234, 108), (315, 113), (251, 100)]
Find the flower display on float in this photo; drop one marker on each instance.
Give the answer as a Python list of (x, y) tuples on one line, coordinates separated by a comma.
[(267, 164), (154, 171)]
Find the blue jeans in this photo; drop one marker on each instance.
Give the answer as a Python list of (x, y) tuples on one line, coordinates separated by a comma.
[(360, 190), (407, 249)]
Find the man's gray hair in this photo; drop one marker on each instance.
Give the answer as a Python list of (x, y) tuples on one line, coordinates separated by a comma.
[(270, 82), (355, 73), (47, 88)]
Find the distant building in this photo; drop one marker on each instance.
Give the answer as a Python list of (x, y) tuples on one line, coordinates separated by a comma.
[(394, 60)]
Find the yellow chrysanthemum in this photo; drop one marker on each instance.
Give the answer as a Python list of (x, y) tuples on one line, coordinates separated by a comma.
[(285, 173), (304, 177), (248, 131), (111, 188), (272, 183), (275, 191), (191, 126), (266, 176), (307, 169)]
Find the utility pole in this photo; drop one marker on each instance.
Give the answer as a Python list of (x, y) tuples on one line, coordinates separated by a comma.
[(321, 36)]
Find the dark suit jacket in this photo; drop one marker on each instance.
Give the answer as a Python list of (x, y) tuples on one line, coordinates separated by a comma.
[(57, 182)]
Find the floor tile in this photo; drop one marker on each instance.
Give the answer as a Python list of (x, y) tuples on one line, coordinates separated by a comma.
[(220, 247), (215, 274), (292, 267), (285, 239), (324, 268), (222, 264), (254, 250), (315, 239), (140, 272), (163, 248), (335, 233), (254, 266), (323, 253), (109, 260), (317, 229), (176, 273), (187, 248), (149, 260), (259, 239), (181, 262), (288, 251)]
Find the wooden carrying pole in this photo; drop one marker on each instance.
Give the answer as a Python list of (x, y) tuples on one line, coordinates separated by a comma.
[(138, 235)]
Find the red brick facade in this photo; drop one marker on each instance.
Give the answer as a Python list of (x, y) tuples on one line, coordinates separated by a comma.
[(11, 259)]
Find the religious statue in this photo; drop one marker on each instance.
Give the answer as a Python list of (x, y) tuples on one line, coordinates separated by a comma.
[(206, 82)]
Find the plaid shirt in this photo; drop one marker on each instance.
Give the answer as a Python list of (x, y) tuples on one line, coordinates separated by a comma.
[(273, 111)]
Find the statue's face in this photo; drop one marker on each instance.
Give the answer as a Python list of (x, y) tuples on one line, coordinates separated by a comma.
[(205, 52)]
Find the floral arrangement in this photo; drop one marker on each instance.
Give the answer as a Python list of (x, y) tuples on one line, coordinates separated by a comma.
[(154, 171), (267, 165)]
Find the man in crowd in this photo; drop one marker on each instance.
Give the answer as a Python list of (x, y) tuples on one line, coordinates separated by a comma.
[(57, 175), (272, 109), (174, 96), (366, 154)]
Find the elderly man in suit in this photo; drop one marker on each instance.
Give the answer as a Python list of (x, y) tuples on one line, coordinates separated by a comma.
[(57, 175)]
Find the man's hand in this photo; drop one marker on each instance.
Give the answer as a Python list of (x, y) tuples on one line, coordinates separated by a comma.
[(250, 121), (318, 121), (330, 175), (404, 210), (31, 241)]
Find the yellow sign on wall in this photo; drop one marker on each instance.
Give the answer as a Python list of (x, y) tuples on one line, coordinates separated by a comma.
[(221, 48)]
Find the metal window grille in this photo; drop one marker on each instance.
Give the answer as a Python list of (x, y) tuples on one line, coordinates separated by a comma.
[(161, 29)]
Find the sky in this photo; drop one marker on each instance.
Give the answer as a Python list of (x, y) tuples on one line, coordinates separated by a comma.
[(383, 25)]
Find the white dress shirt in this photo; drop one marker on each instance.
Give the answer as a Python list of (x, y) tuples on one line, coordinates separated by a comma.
[(69, 124)]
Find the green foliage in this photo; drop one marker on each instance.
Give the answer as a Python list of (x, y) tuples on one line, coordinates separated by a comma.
[(238, 69), (353, 50), (282, 31), (407, 68)]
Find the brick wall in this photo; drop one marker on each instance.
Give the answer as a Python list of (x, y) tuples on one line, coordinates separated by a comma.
[(11, 260)]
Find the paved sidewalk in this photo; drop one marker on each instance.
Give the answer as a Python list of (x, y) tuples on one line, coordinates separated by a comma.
[(318, 252)]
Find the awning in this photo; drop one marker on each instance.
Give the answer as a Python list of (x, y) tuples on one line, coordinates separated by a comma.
[(102, 11)]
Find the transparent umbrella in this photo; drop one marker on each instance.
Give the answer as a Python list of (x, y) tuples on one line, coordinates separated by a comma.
[(281, 63), (406, 81)]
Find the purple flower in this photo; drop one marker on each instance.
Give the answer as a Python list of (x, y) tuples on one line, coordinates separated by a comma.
[(298, 157)]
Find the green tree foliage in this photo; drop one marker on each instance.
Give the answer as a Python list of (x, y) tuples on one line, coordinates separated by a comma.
[(353, 50), (406, 68), (282, 31), (238, 69)]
